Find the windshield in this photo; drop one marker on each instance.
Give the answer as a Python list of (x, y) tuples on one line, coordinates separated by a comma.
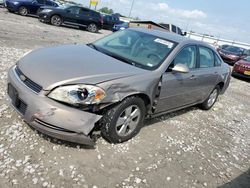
[(136, 48), (234, 49), (247, 58)]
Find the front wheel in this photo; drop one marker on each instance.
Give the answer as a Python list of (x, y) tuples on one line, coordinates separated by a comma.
[(23, 11), (56, 20), (92, 28), (209, 102), (123, 121)]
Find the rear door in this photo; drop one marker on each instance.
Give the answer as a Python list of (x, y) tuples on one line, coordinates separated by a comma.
[(35, 5), (208, 70), (180, 89), (85, 17), (72, 16)]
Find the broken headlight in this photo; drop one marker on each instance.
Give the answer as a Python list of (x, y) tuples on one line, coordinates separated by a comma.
[(78, 94)]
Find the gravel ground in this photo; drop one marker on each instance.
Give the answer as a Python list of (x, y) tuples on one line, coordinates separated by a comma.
[(189, 148)]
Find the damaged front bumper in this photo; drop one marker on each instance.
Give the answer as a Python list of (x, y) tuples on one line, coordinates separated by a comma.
[(48, 116)]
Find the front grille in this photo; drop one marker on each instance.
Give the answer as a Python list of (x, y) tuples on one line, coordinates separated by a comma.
[(29, 83), (246, 67), (21, 107)]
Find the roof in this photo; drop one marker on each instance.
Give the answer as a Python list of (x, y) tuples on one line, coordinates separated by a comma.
[(169, 36)]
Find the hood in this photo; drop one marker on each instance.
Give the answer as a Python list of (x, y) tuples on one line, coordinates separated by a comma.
[(73, 64), (243, 62)]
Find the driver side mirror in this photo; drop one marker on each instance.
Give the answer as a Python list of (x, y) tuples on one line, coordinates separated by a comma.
[(181, 68)]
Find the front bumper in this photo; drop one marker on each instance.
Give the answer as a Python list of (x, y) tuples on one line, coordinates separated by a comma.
[(10, 6), (48, 116), (44, 17), (239, 74)]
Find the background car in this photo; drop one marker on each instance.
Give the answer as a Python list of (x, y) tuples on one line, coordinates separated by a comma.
[(232, 54), (2, 2), (242, 68), (72, 15), (24, 7), (121, 26), (109, 21)]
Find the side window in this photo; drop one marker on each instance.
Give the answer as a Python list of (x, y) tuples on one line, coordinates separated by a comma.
[(217, 60), (186, 56), (74, 10), (174, 28), (49, 3), (206, 57), (40, 1), (85, 11)]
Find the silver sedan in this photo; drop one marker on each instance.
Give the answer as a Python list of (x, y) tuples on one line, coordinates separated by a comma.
[(113, 84)]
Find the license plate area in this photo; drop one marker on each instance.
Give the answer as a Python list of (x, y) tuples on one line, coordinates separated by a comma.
[(13, 94), (247, 73)]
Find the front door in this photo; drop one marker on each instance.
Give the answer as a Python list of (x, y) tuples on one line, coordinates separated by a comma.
[(180, 89)]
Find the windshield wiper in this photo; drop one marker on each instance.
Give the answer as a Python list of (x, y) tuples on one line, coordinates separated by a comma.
[(91, 45), (131, 62)]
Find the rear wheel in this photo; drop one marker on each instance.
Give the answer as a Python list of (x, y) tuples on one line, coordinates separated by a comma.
[(23, 11), (123, 121), (92, 28), (56, 20), (209, 102)]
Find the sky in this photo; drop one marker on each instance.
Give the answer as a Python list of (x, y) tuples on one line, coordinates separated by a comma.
[(221, 18)]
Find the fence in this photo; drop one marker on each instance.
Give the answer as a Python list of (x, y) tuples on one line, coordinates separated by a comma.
[(211, 40)]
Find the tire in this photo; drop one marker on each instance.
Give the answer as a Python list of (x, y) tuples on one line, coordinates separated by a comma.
[(92, 28), (23, 11), (56, 20), (211, 99), (119, 125)]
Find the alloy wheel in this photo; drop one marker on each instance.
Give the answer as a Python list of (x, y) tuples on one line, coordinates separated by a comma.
[(128, 120), (212, 98)]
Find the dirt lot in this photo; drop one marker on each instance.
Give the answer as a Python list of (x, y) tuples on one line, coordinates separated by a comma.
[(189, 148)]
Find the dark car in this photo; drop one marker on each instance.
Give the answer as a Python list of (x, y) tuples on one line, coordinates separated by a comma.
[(242, 68), (121, 26), (111, 85), (109, 21), (72, 15), (24, 7), (232, 54)]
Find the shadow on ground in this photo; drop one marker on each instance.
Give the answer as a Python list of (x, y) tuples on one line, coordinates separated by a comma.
[(242, 181)]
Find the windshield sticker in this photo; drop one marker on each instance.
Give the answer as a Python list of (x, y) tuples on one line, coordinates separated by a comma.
[(149, 64), (164, 42)]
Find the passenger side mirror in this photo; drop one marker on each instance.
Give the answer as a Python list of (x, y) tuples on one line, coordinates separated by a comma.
[(181, 68)]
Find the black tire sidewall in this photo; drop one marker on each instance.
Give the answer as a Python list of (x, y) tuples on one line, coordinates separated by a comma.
[(110, 118), (204, 105)]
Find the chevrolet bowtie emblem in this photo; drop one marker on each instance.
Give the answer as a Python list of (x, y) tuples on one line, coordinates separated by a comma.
[(23, 78)]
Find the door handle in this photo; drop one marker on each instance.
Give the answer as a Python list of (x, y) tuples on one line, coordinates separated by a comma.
[(193, 77)]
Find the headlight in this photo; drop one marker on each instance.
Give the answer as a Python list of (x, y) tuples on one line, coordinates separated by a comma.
[(46, 10), (15, 3), (78, 94)]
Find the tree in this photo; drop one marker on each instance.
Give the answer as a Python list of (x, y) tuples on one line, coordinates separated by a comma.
[(106, 10)]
